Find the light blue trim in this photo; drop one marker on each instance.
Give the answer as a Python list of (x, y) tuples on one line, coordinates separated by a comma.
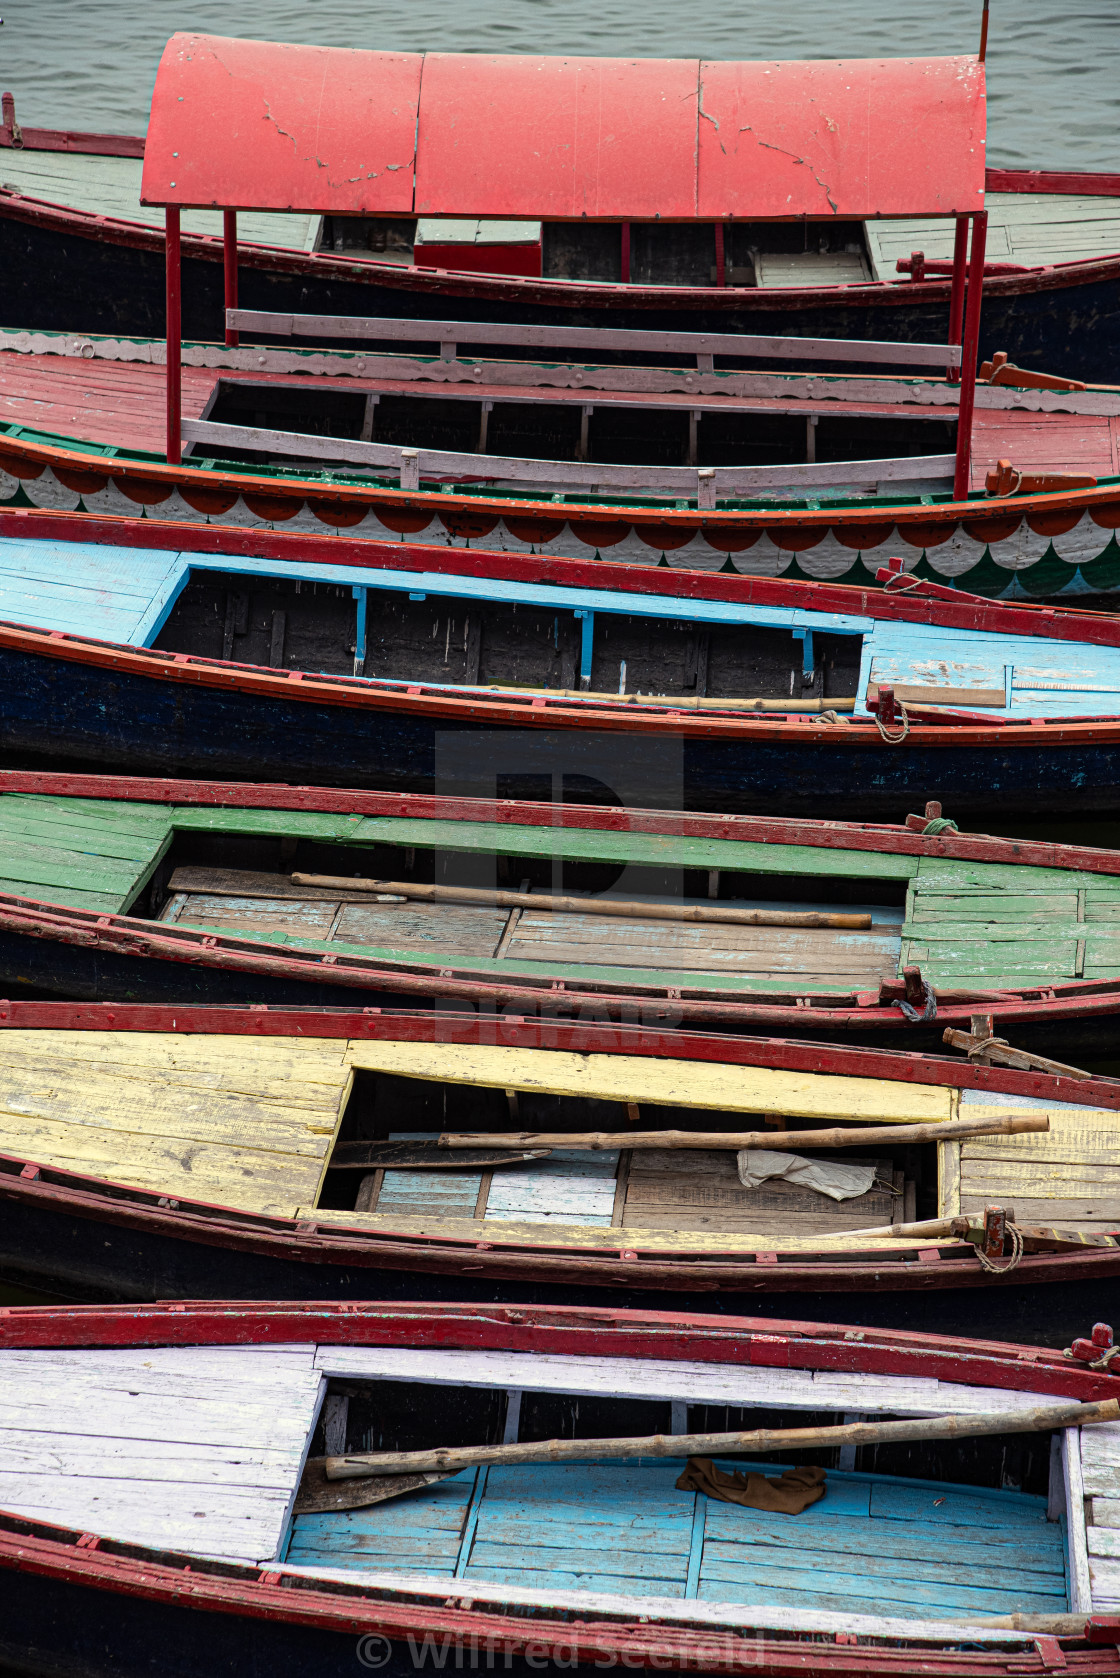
[(586, 646), (470, 1525), (808, 668), (418, 584), (162, 602), (360, 595)]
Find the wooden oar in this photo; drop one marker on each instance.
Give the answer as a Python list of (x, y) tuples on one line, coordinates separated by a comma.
[(450, 1459), (714, 914), (998, 1124)]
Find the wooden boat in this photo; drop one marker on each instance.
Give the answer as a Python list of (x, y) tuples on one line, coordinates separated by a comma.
[(70, 204), (174, 1151), (116, 889), (182, 1513), (624, 429), (718, 692)]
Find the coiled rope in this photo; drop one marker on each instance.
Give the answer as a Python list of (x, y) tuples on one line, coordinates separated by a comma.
[(1001, 1269), (892, 738)]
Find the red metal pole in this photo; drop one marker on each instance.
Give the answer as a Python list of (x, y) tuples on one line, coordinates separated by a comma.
[(956, 296), (983, 53), (174, 333), (229, 229), (969, 354), (626, 253), (721, 255)]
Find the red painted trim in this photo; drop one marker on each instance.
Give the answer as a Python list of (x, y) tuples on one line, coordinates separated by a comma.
[(229, 251), (970, 353), (929, 604), (60, 139), (648, 1041), (561, 1330), (174, 374), (1084, 185)]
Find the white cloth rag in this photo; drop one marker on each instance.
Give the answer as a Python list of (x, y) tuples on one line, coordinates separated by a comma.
[(839, 1182)]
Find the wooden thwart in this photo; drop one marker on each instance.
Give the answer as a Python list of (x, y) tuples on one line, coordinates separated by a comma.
[(451, 1459), (621, 907), (999, 1124)]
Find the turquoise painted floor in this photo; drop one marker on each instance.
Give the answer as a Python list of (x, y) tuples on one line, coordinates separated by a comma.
[(874, 1545)]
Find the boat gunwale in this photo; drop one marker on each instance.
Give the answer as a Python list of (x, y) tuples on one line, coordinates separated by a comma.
[(112, 463), (539, 711)]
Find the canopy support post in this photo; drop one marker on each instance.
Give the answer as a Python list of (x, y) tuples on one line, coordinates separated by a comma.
[(174, 333), (721, 255), (956, 296), (626, 253), (229, 251), (969, 354)]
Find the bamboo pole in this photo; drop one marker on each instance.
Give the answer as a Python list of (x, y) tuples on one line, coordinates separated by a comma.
[(450, 1459), (708, 914), (947, 1130)]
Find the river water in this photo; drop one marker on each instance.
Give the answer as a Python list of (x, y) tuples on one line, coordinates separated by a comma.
[(1054, 74)]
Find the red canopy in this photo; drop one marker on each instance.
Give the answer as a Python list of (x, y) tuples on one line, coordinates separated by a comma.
[(256, 125)]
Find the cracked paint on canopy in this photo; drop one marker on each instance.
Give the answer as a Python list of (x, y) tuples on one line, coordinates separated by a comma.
[(260, 125)]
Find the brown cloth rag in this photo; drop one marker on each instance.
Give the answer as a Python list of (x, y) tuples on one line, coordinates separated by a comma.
[(797, 1488)]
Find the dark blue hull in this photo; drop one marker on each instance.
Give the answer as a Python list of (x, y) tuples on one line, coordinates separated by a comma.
[(51, 276), (61, 714), (85, 1258)]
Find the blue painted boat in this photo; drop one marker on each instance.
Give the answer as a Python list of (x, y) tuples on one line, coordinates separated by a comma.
[(963, 1557), (373, 667)]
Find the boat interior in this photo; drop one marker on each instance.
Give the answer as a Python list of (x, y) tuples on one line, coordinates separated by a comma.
[(579, 425), (1028, 228), (699, 917), (952, 1532), (416, 635), (345, 1134)]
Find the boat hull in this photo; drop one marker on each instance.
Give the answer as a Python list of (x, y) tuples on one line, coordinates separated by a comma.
[(60, 712), (61, 269), (90, 1255)]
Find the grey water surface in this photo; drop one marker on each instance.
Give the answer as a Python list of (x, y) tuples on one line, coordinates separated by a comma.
[(1054, 71)]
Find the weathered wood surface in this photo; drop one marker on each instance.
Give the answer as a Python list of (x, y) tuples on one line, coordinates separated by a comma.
[(595, 476), (1068, 1175), (1038, 1420), (195, 1449), (452, 332), (110, 186), (231, 1120), (626, 1078)]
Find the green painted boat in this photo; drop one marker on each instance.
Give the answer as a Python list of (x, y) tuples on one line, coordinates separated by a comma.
[(116, 888)]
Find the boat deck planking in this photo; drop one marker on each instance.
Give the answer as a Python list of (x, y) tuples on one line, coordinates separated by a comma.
[(200, 1450), (871, 1546), (222, 1120), (1026, 227), (110, 186), (122, 404), (191, 1449)]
